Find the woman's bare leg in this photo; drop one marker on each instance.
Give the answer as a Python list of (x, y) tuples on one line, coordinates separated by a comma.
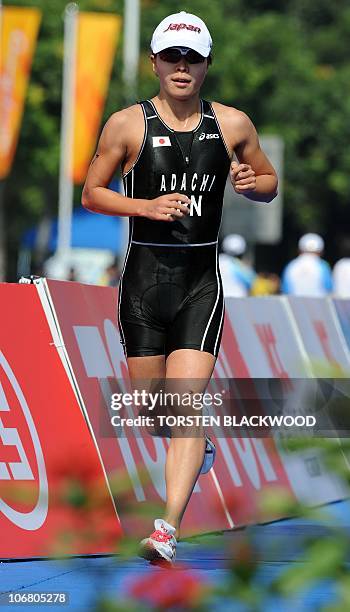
[(146, 368), (185, 454)]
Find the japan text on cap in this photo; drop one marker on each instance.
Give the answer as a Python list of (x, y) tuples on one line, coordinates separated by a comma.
[(182, 30)]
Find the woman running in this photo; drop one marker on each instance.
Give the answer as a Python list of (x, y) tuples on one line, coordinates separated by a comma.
[(175, 152)]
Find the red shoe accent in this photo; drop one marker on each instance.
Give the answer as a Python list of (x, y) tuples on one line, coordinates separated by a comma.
[(160, 536)]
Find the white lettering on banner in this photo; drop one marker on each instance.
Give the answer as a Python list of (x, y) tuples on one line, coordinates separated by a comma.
[(264, 459), (249, 461), (154, 466), (18, 470), (87, 341), (116, 355), (253, 456), (92, 351), (115, 360), (230, 462), (21, 470), (86, 336)]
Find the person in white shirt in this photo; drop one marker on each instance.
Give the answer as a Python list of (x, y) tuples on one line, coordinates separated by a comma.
[(341, 272), (237, 277), (308, 274)]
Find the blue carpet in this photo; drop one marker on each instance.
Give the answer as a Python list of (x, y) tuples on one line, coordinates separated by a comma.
[(277, 545)]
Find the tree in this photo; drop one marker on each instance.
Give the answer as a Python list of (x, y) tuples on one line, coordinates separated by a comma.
[(284, 63)]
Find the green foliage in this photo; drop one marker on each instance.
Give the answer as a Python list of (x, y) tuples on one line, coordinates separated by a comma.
[(322, 559), (284, 63)]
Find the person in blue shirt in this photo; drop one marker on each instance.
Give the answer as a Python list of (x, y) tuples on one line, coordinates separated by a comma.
[(308, 274), (237, 276)]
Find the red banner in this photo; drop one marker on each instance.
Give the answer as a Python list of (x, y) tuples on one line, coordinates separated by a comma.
[(53, 493), (222, 499)]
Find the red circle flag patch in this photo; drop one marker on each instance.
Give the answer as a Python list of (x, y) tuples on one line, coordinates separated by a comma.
[(161, 141)]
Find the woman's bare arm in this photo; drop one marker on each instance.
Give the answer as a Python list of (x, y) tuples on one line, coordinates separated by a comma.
[(112, 152)]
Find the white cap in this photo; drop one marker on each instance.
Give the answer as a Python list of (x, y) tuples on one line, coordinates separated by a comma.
[(182, 30), (311, 243), (234, 244)]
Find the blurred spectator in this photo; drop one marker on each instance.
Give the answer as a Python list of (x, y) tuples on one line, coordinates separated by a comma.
[(72, 275), (308, 274), (111, 275), (266, 283), (341, 271), (37, 269), (237, 276)]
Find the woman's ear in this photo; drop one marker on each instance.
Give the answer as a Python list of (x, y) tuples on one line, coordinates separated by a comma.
[(153, 60)]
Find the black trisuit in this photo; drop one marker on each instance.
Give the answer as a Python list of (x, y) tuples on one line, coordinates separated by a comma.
[(170, 294)]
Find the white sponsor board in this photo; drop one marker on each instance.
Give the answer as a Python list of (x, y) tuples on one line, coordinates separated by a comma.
[(320, 330), (272, 346), (267, 338)]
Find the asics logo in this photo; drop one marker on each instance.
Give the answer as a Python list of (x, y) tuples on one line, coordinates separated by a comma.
[(204, 136)]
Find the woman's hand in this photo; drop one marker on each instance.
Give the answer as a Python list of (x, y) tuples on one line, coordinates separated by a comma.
[(167, 207), (242, 177)]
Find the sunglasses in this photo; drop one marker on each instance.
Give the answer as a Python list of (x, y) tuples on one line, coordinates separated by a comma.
[(174, 54)]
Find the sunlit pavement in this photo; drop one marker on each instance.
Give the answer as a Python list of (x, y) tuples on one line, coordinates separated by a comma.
[(276, 546)]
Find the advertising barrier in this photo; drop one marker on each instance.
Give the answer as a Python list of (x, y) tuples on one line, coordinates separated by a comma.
[(62, 363), (91, 337), (47, 455), (268, 340), (323, 339), (260, 340), (342, 307)]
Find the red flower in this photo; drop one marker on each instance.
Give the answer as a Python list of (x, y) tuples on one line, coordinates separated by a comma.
[(169, 587)]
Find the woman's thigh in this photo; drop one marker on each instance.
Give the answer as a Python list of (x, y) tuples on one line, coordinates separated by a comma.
[(190, 364)]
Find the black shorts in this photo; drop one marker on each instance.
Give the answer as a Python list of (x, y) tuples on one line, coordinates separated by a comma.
[(170, 298)]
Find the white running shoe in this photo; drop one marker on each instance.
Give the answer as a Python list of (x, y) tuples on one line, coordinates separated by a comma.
[(161, 544), (209, 456)]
